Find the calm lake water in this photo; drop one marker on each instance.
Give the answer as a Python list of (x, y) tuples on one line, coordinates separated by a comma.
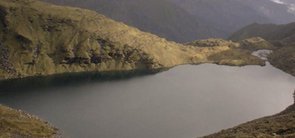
[(184, 102)]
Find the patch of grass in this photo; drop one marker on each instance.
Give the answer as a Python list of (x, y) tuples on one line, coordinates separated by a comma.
[(19, 124), (236, 57)]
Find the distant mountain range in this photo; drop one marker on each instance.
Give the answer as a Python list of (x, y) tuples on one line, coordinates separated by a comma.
[(160, 17), (277, 34), (230, 15), (187, 20)]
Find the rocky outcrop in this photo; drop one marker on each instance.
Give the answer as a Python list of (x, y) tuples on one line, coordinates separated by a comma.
[(256, 43)]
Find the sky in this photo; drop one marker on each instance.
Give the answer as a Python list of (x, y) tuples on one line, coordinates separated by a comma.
[(291, 5)]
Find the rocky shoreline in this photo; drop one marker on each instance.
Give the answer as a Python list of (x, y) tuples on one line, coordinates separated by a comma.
[(279, 125)]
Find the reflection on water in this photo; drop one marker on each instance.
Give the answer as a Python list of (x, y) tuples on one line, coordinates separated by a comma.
[(62, 80), (184, 102)]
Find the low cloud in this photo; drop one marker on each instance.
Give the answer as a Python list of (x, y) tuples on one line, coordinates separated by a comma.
[(291, 6)]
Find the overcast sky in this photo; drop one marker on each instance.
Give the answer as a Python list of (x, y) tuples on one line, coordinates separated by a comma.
[(289, 3)]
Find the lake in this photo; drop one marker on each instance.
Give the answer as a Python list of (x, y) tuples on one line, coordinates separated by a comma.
[(184, 102)]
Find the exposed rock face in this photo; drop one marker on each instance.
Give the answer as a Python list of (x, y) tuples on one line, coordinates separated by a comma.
[(213, 42), (4, 61)]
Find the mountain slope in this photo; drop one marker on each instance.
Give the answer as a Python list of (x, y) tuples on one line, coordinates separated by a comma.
[(160, 17), (52, 39), (43, 39), (230, 15), (188, 20), (283, 33)]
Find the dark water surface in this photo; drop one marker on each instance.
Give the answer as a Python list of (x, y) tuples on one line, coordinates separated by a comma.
[(184, 102)]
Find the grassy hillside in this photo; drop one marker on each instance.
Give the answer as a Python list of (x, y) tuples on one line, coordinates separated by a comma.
[(17, 124), (43, 39)]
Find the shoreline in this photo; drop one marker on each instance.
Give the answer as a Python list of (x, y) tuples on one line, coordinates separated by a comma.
[(97, 76)]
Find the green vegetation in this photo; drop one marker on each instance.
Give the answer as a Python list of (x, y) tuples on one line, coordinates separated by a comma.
[(231, 53), (19, 124), (39, 39)]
